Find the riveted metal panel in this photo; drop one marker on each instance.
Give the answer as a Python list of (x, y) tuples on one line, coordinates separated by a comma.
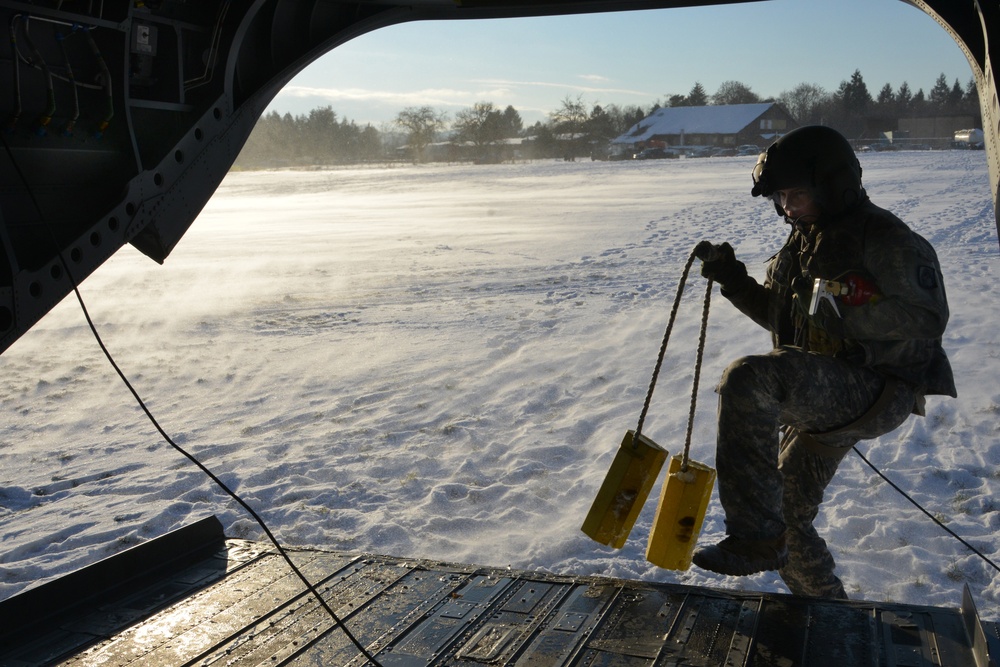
[(419, 613)]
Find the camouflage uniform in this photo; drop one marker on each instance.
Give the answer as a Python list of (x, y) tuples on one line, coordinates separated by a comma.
[(823, 378)]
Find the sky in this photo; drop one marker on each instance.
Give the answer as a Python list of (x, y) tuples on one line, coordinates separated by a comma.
[(625, 58)]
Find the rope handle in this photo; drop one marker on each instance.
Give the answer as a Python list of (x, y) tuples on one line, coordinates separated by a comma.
[(697, 375), (659, 361)]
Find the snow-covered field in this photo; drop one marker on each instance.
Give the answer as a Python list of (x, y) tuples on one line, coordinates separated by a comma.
[(440, 362)]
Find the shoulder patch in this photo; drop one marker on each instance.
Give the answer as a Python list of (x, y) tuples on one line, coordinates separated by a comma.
[(927, 277)]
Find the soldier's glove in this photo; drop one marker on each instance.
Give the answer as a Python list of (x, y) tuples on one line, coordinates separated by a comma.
[(719, 263)]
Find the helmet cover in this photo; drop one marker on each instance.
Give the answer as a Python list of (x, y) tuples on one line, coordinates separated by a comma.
[(814, 157)]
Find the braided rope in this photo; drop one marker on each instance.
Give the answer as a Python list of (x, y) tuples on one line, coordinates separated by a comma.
[(697, 376), (663, 349)]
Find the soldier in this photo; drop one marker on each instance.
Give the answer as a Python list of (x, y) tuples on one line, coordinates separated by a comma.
[(856, 306)]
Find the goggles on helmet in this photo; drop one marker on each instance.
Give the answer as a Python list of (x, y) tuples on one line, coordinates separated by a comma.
[(759, 177)]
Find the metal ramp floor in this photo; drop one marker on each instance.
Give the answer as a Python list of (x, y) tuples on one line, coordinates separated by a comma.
[(194, 598)]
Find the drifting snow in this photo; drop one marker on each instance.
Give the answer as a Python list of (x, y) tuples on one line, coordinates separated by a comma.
[(440, 361)]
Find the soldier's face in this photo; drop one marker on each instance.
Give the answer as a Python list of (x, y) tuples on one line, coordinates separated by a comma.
[(797, 202)]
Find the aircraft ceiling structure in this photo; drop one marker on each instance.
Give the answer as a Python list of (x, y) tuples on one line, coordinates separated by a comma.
[(121, 117)]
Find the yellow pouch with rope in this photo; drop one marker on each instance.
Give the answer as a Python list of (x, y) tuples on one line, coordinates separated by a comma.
[(624, 491), (680, 514)]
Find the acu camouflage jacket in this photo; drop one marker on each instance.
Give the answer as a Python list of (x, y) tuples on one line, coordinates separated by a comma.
[(898, 333)]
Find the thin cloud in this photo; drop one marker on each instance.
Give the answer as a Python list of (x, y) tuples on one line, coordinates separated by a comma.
[(567, 86), (446, 97)]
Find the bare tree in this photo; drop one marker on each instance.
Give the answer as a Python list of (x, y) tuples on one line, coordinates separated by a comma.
[(570, 121), (571, 117), (482, 125), (734, 92), (421, 124), (802, 100)]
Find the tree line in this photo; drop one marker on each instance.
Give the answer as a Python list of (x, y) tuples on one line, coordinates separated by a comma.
[(482, 131)]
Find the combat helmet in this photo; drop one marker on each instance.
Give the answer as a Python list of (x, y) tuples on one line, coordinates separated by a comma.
[(814, 157)]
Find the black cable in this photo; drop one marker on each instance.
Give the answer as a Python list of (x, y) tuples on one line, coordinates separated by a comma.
[(222, 485), (932, 517)]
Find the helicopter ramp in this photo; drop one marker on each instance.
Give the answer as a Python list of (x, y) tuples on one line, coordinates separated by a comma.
[(193, 597)]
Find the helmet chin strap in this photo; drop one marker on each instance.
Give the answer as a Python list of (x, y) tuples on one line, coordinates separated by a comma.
[(803, 223)]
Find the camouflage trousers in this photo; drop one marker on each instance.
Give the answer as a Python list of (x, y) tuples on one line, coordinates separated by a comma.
[(769, 488)]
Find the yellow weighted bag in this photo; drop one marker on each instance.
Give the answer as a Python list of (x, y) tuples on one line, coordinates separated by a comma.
[(637, 465), (680, 514), (625, 489)]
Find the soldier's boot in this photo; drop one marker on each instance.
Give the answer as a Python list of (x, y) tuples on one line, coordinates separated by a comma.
[(739, 557)]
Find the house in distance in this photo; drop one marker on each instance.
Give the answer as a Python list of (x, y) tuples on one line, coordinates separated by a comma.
[(698, 130)]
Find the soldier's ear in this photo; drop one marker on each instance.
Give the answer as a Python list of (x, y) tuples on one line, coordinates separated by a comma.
[(927, 277)]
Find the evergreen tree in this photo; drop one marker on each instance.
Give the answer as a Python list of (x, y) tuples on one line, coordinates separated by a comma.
[(972, 94), (697, 97), (885, 103), (621, 119), (320, 134), (854, 96), (632, 115), (600, 127), (512, 123), (544, 143), (676, 101), (369, 144), (904, 100), (939, 93), (316, 138), (322, 137), (886, 97), (956, 96)]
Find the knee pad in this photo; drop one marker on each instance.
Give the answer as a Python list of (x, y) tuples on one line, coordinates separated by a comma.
[(739, 377)]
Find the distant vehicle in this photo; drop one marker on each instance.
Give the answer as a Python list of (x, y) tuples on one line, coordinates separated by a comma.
[(609, 153), (969, 139), (724, 152), (700, 151), (652, 154), (748, 149), (876, 147), (881, 146)]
